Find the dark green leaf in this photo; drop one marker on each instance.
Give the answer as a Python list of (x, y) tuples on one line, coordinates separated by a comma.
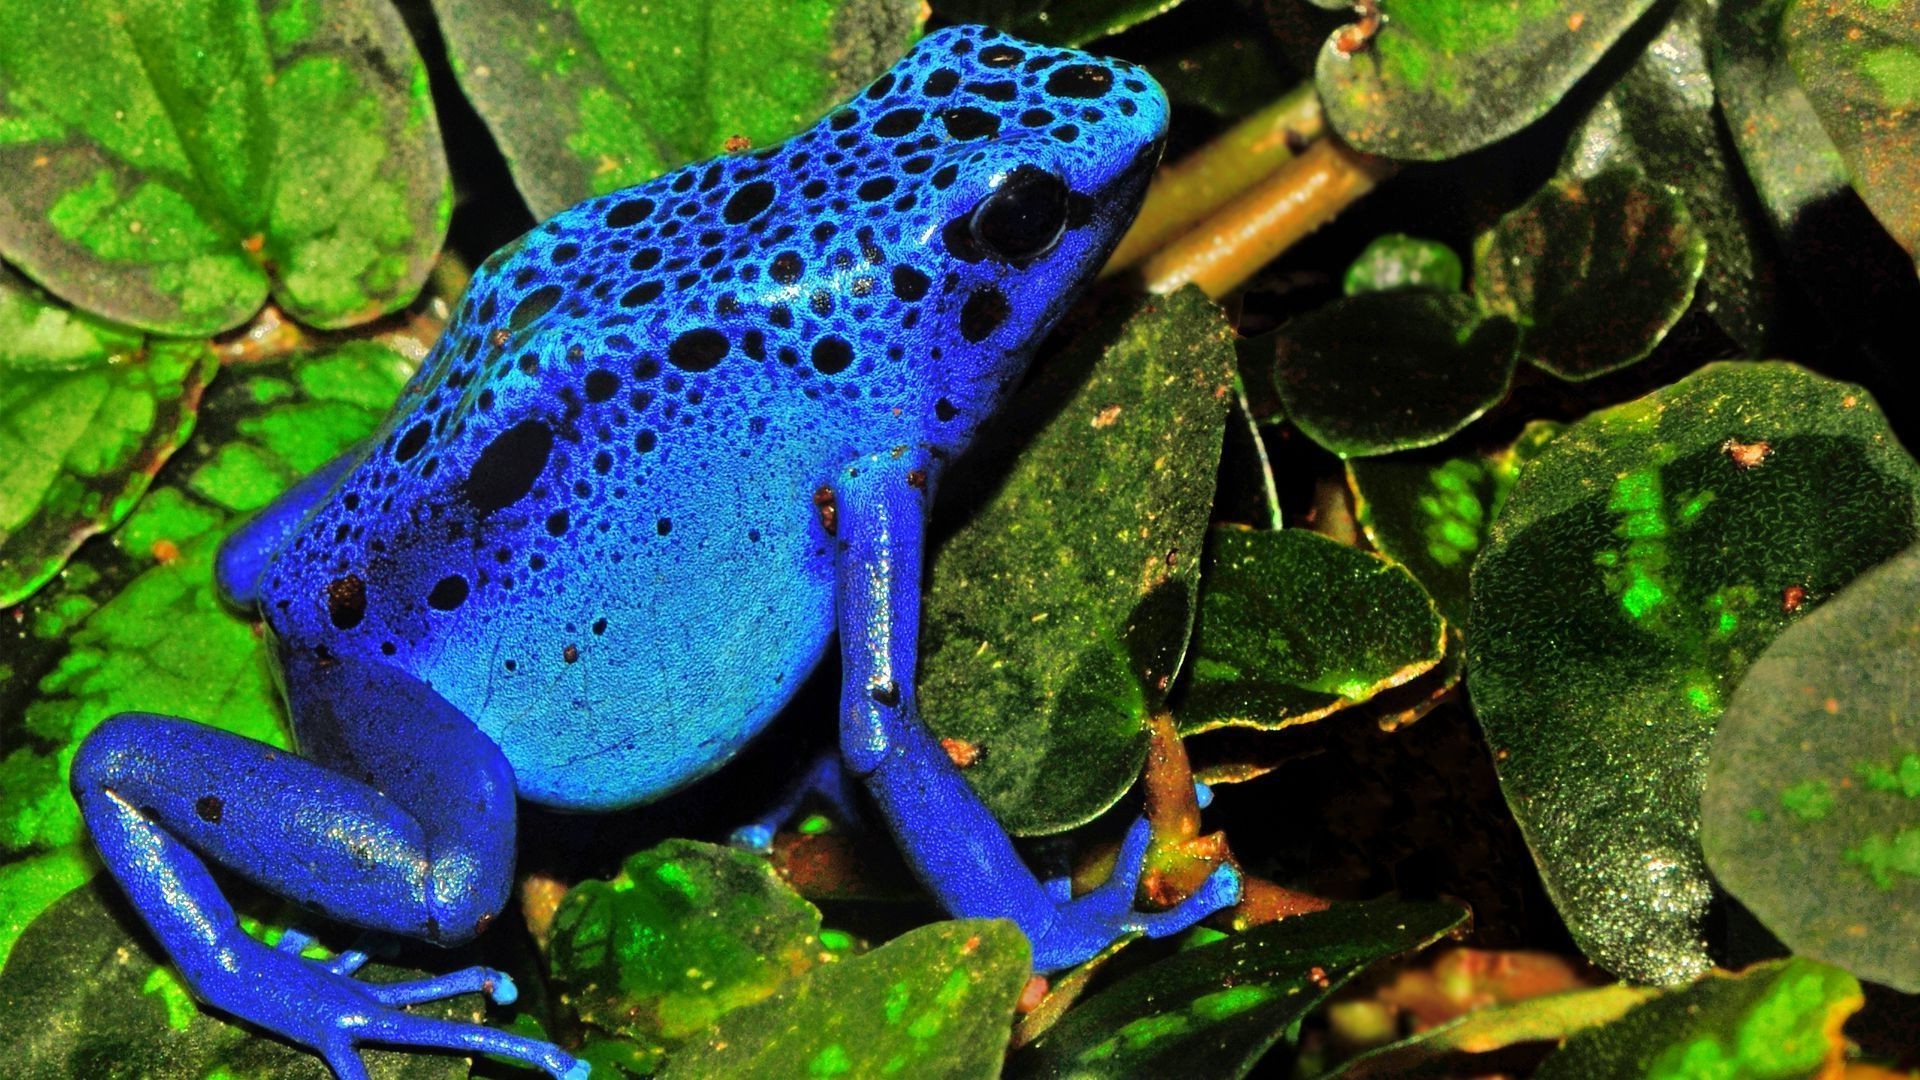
[(684, 934), (935, 1002), (89, 412), (1057, 22), (1660, 117), (586, 98), (1789, 158), (1812, 810), (1595, 271), (1642, 561), (161, 640), (1294, 626), (29, 886), (1380, 372), (1775, 1021), (1398, 261), (1859, 62), (1443, 77), (1058, 613), (1215, 1009), (1229, 76), (1432, 516), (216, 151), (86, 993)]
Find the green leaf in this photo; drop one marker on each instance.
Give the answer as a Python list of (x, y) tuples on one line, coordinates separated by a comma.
[(1859, 62), (157, 637), (1380, 372), (935, 1002), (218, 150), (1775, 1021), (1443, 77), (1398, 261), (1432, 515), (586, 98), (29, 886), (1789, 158), (684, 934), (1443, 1051), (1661, 118), (89, 412), (1643, 560), (1595, 271), (1229, 76), (1213, 1010), (1294, 626), (1057, 22), (86, 993), (1812, 810), (1059, 610)]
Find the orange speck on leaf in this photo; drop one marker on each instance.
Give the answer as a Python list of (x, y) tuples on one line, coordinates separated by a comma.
[(1792, 597), (963, 753), (1032, 994), (165, 551), (1832, 705), (1746, 455), (1575, 21), (737, 143), (968, 947)]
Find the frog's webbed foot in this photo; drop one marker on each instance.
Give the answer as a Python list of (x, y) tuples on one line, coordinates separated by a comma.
[(1082, 926), (319, 1004)]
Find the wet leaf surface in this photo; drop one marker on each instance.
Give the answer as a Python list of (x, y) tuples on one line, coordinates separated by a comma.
[(1380, 372), (1641, 563), (89, 411), (1216, 1009), (1294, 626), (85, 994), (219, 152), (1448, 76), (1859, 63), (136, 624), (1811, 815), (1061, 597), (1398, 261), (1616, 235), (684, 934), (1775, 1021), (935, 1002), (1431, 515), (586, 98)]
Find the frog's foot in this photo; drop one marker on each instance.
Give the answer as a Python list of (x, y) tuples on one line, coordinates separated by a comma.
[(1082, 926), (826, 779), (319, 1004)]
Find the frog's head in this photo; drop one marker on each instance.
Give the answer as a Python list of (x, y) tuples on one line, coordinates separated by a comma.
[(1011, 171)]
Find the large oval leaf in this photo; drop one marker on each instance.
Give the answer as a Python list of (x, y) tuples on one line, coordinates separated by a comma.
[(1443, 77), (588, 97), (1642, 561), (935, 1002), (89, 411), (1812, 810), (219, 150), (1859, 61), (1058, 613)]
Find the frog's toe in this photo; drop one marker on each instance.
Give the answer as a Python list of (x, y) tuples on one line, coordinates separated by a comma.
[(497, 985), (1087, 924), (756, 838), (391, 1027)]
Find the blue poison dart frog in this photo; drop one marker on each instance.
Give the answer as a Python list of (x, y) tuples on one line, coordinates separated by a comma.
[(672, 440)]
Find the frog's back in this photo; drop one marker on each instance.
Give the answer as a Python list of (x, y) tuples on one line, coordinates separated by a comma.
[(590, 524)]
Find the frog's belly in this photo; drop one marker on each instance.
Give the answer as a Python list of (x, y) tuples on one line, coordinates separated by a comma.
[(613, 684)]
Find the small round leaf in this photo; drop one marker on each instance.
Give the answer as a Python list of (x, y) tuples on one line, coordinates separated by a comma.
[(1398, 261)]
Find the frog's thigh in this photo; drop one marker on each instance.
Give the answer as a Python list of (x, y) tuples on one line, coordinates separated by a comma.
[(410, 833), (245, 553)]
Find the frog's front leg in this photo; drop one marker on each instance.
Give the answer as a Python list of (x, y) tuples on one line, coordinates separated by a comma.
[(949, 837), (411, 835)]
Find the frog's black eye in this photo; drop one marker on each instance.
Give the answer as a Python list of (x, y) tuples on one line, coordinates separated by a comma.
[(1023, 217)]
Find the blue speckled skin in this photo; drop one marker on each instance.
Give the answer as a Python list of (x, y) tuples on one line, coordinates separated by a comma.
[(673, 439)]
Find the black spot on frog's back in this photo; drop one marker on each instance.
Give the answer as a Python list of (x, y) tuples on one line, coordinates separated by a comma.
[(507, 468)]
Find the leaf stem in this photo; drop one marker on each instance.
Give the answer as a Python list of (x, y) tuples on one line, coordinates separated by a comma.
[(1255, 228), (1188, 190)]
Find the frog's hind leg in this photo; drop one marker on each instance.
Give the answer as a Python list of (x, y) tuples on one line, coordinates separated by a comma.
[(947, 834), (245, 553), (413, 836)]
